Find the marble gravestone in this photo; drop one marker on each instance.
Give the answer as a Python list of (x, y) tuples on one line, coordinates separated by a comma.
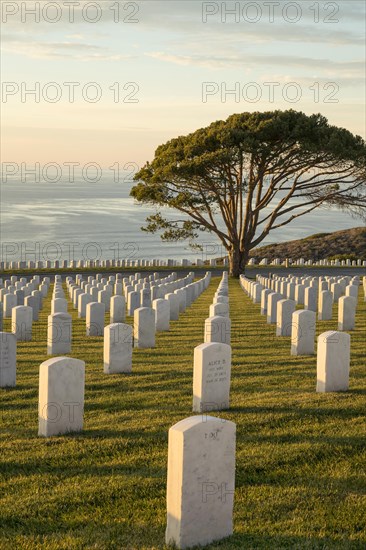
[(61, 396), (347, 312), (217, 329), (325, 305), (144, 328), (117, 348), (211, 377), (8, 350), (118, 309), (333, 361), (162, 314), (95, 316), (285, 310), (59, 334), (201, 481), (21, 323), (303, 332)]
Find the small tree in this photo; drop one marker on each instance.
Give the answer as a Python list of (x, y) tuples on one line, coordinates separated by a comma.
[(253, 173)]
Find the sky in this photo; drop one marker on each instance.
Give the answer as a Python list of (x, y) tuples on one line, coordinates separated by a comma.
[(114, 79)]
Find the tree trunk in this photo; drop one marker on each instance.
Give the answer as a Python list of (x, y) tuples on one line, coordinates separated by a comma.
[(237, 262)]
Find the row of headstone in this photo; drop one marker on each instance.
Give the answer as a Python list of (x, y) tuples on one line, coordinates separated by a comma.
[(14, 292), (96, 296), (300, 325), (62, 378), (124, 263), (21, 301), (58, 376), (119, 338), (302, 262), (218, 324), (137, 291), (315, 294), (171, 262), (212, 359), (201, 456)]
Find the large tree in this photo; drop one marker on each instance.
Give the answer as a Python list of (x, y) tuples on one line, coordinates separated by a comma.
[(255, 172)]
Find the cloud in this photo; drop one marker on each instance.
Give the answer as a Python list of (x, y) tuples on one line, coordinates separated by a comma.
[(244, 61), (59, 50)]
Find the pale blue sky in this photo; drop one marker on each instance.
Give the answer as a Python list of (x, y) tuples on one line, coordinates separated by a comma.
[(169, 53)]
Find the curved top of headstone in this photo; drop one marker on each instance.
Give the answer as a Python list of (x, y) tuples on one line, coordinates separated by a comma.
[(214, 345), (193, 422), (334, 336), (120, 326), (304, 313), (61, 315), (95, 304), (217, 318), (63, 360)]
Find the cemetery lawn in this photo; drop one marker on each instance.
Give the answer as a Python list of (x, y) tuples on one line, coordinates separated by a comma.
[(300, 462)]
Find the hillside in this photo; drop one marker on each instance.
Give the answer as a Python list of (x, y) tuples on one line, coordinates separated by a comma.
[(349, 243)]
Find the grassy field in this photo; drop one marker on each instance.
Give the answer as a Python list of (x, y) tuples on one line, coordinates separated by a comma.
[(300, 477)]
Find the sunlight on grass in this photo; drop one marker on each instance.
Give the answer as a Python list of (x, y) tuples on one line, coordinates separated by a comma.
[(300, 476)]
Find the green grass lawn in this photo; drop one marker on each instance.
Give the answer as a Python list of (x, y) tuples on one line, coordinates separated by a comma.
[(300, 462)]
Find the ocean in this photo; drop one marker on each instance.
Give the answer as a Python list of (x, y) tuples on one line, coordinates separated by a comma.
[(83, 220)]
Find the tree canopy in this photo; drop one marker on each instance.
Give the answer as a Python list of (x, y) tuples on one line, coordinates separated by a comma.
[(250, 174)]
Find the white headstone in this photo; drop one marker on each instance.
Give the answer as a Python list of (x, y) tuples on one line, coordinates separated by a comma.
[(144, 328), (31, 301), (273, 299), (291, 291), (201, 481), (61, 396), (219, 309), (285, 309), (325, 305), (133, 302), (173, 305), (211, 377), (145, 297), (336, 290), (104, 298), (8, 351), (83, 300), (59, 334), (299, 294), (181, 293), (352, 290), (333, 361), (58, 305), (162, 314), (217, 329), (95, 314), (21, 323), (346, 312), (264, 300), (303, 332), (10, 301), (117, 348), (310, 298), (118, 309)]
